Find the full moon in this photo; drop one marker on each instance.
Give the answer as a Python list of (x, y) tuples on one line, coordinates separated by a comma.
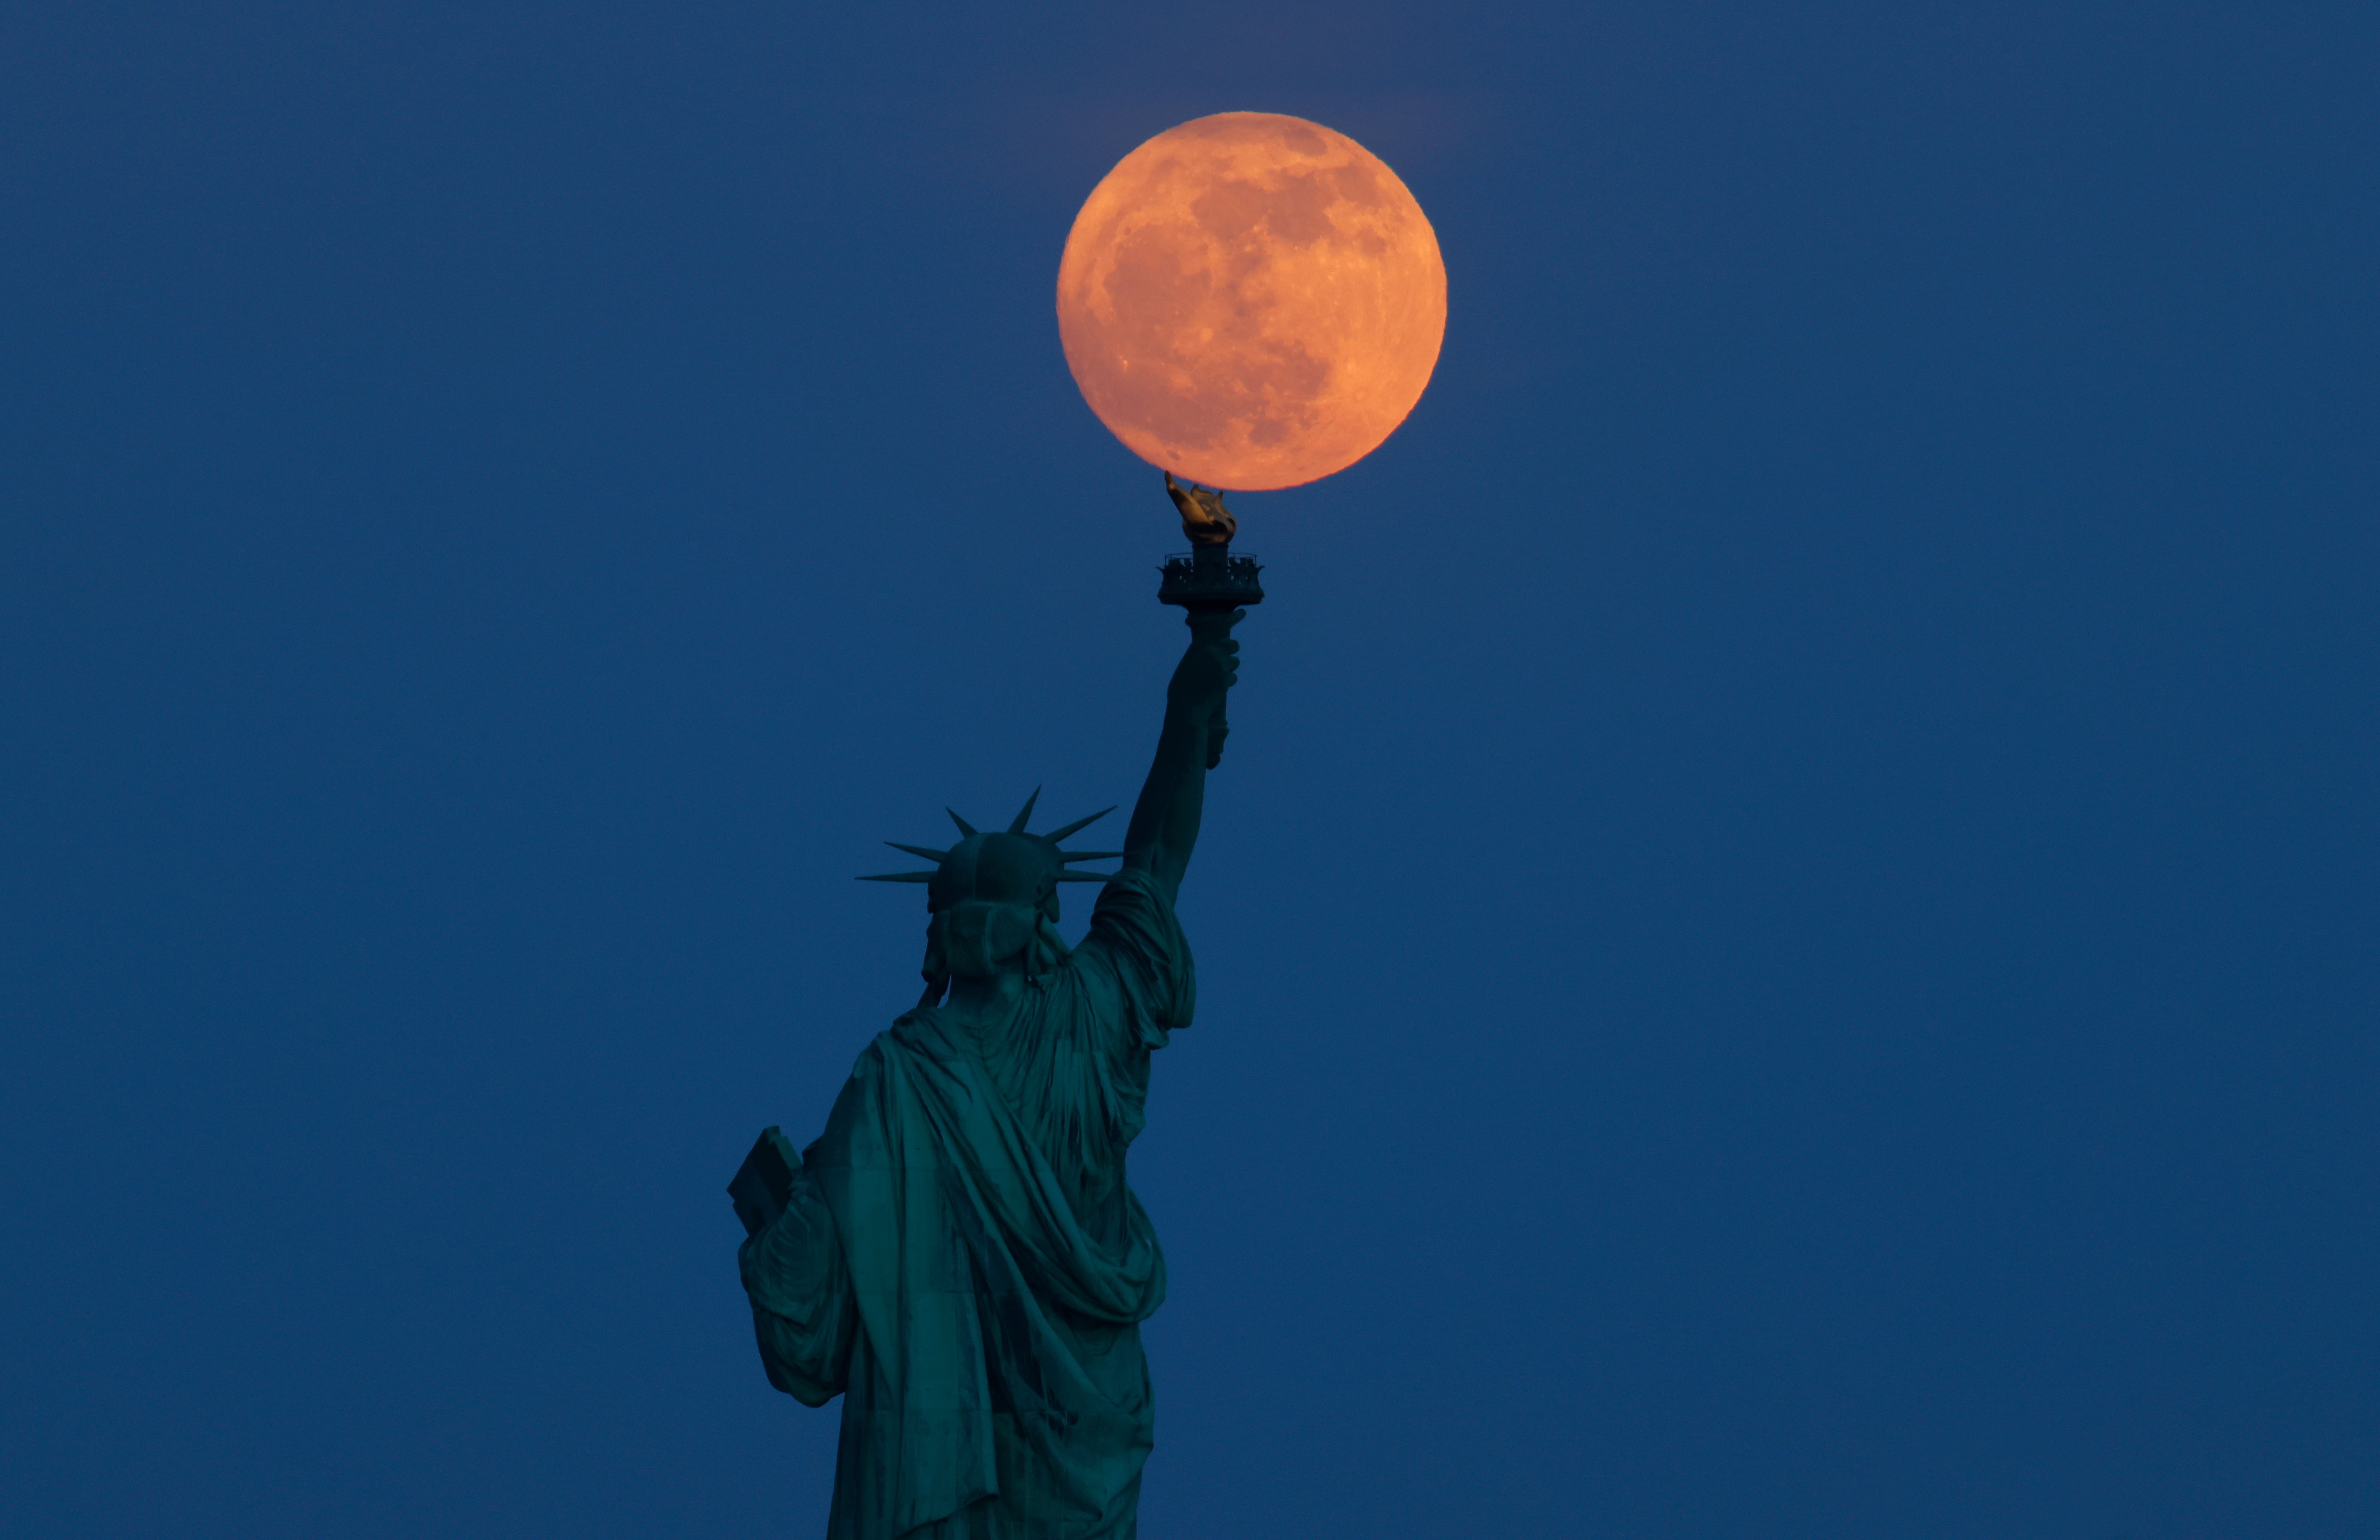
[(1251, 301)]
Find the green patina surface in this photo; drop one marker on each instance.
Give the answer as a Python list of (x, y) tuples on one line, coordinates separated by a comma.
[(958, 1255)]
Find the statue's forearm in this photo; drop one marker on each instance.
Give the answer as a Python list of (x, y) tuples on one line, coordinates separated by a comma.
[(1164, 826)]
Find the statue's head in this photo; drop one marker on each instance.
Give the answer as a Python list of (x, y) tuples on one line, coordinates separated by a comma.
[(994, 898), (988, 898)]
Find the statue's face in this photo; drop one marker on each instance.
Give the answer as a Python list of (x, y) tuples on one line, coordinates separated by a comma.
[(980, 936)]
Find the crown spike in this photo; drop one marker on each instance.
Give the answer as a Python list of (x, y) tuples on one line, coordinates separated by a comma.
[(1016, 824), (898, 877), (927, 851), (965, 828), (1057, 835), (1088, 855), (1088, 876)]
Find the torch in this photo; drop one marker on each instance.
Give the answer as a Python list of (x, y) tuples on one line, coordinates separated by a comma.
[(1207, 577)]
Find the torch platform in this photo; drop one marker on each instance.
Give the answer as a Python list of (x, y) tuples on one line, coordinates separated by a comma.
[(1211, 578)]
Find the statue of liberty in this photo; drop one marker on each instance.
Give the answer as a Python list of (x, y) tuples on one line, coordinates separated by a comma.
[(958, 1255)]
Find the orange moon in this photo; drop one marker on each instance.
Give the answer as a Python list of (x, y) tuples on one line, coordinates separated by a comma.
[(1251, 301)]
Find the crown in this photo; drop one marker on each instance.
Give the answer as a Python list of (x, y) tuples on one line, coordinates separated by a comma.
[(1059, 858)]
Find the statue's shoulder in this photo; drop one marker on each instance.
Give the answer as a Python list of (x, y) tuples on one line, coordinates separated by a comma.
[(879, 1081), (1134, 915), (876, 1060), (1132, 895), (921, 1032)]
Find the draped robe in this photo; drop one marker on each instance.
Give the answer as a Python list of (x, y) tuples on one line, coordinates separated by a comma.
[(962, 1261)]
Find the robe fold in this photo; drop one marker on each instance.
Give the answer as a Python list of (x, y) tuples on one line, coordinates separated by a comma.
[(962, 1261)]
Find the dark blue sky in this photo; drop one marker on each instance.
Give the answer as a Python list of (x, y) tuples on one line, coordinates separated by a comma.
[(1788, 934)]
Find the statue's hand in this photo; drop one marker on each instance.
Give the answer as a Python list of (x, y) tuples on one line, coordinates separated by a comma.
[(1211, 663)]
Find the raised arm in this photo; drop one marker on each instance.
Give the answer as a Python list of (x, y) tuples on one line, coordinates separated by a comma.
[(1165, 819)]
